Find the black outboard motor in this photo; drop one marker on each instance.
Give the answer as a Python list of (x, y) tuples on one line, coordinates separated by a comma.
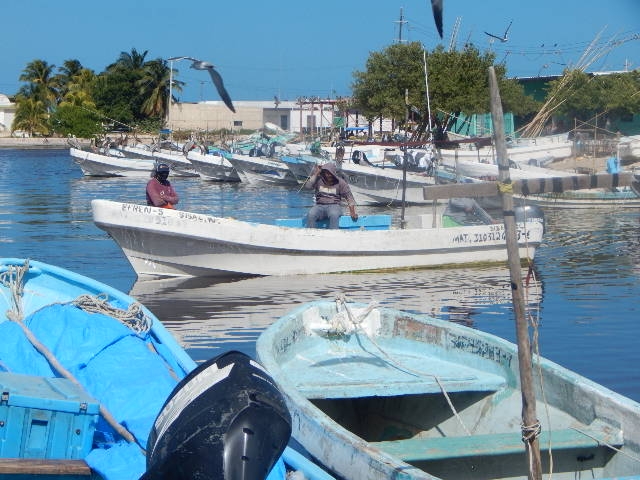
[(226, 420), (529, 213)]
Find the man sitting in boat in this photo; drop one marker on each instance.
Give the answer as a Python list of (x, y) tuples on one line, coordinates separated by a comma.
[(330, 191), (160, 192)]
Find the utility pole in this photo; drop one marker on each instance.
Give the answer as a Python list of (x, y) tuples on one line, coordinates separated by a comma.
[(400, 22)]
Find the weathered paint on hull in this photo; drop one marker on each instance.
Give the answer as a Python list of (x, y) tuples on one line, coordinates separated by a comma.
[(345, 373)]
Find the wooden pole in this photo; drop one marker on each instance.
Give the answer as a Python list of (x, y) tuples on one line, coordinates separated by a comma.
[(403, 222), (529, 417)]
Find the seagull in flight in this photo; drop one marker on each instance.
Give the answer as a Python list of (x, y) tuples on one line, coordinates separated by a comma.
[(215, 78), (504, 38), (436, 6)]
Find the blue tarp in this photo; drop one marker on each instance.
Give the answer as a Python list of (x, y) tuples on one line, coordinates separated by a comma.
[(115, 366), (112, 363)]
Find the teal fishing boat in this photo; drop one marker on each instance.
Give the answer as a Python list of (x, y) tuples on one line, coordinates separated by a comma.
[(85, 374), (381, 393)]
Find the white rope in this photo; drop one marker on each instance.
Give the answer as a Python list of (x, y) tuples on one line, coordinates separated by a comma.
[(133, 317), (12, 278), (357, 321)]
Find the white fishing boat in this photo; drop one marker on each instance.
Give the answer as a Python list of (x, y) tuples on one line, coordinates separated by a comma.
[(114, 163), (519, 150), (175, 158), (118, 163), (261, 170), (373, 185), (620, 197), (213, 165), (165, 242)]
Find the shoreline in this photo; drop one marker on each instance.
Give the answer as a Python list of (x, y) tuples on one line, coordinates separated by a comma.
[(36, 143)]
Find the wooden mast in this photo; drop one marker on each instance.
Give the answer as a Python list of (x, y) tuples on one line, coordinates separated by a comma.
[(530, 424)]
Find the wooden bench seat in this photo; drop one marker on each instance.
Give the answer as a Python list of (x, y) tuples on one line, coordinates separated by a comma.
[(370, 385), (441, 448), (364, 222), (37, 466)]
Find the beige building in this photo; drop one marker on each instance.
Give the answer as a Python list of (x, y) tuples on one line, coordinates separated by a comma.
[(311, 116)]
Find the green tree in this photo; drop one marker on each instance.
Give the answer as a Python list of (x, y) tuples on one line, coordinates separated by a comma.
[(70, 119), (41, 83), (583, 96), (458, 82), (31, 116), (116, 91), (154, 88), (66, 76), (76, 113), (130, 61)]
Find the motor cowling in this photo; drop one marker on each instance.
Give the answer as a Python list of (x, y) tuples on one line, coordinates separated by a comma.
[(226, 420)]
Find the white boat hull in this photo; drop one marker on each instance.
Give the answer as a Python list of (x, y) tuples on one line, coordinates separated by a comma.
[(520, 150), (213, 167), (623, 198), (261, 170), (162, 242), (99, 165), (179, 163), (383, 186)]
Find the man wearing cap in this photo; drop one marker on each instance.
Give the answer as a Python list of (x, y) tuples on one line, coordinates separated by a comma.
[(160, 192), (330, 191)]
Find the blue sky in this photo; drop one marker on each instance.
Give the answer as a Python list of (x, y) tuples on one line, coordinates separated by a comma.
[(302, 48)]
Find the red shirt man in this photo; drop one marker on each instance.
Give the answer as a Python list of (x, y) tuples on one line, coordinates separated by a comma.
[(160, 192)]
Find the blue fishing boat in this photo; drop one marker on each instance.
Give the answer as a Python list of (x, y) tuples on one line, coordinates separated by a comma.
[(93, 386), (392, 394)]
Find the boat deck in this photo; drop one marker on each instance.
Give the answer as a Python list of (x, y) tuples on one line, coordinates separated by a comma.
[(359, 368)]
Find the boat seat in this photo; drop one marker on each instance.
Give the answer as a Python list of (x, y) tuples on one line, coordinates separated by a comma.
[(37, 466), (364, 222), (443, 448), (381, 386)]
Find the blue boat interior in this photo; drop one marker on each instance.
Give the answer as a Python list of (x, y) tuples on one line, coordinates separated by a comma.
[(365, 222)]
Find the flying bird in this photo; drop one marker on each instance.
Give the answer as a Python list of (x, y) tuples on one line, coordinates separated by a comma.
[(436, 6), (215, 78), (503, 38)]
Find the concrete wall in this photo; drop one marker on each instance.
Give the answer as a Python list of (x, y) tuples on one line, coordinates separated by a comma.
[(253, 115)]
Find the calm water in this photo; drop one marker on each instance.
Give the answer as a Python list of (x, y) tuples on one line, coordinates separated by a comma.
[(583, 292)]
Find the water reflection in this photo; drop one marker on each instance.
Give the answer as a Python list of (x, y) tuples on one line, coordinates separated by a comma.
[(207, 315)]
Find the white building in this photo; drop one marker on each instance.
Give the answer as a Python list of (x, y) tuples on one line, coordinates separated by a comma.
[(311, 116), (7, 114)]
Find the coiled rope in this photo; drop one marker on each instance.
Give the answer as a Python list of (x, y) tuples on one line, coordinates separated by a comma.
[(133, 317)]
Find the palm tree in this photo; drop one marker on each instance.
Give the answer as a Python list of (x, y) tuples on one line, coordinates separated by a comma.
[(41, 83), (31, 116), (79, 88), (154, 87), (133, 61), (66, 75)]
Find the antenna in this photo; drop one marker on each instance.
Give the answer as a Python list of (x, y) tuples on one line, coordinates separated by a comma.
[(454, 34), (401, 22)]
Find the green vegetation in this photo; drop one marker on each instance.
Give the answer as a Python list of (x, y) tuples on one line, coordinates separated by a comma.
[(133, 92), (394, 83)]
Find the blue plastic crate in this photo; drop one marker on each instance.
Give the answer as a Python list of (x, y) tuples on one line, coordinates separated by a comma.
[(47, 418)]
